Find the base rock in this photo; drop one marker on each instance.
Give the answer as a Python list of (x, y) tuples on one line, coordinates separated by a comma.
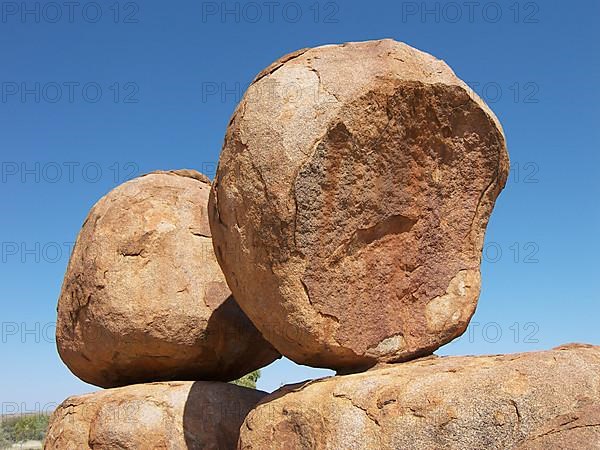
[(169, 415), (526, 401)]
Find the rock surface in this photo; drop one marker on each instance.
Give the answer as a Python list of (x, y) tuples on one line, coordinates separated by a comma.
[(168, 416), (484, 402), (144, 298), (351, 200), (579, 430)]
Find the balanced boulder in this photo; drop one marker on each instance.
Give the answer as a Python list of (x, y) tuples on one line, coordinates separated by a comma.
[(169, 416), (144, 298), (462, 403), (350, 203)]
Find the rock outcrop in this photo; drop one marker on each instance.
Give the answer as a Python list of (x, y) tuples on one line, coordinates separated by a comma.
[(486, 402), (144, 298), (350, 203), (347, 217), (169, 416)]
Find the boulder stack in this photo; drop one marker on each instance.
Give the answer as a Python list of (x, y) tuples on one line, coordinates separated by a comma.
[(144, 301), (347, 216), (350, 203)]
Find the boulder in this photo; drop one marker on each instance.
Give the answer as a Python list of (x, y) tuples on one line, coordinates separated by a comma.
[(143, 297), (462, 403), (350, 203), (168, 415)]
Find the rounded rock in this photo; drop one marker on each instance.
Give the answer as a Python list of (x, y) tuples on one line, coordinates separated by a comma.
[(167, 415), (351, 200), (143, 297)]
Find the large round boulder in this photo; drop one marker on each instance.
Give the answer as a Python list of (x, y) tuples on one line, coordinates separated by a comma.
[(144, 298), (350, 203)]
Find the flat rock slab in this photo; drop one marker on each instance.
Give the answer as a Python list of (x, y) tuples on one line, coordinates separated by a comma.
[(350, 203), (471, 402), (168, 416), (143, 297)]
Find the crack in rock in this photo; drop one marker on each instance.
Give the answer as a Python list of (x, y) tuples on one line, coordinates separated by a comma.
[(365, 410)]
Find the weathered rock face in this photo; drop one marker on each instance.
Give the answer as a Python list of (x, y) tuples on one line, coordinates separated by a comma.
[(144, 298), (351, 200), (487, 402), (169, 416), (579, 430)]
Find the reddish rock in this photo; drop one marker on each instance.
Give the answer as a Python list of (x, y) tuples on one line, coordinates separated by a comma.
[(169, 416), (543, 400), (350, 203), (579, 430), (144, 298)]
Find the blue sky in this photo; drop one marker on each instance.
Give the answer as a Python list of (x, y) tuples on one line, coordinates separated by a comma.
[(89, 100)]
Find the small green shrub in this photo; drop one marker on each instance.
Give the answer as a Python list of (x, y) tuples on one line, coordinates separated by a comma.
[(23, 428), (248, 380)]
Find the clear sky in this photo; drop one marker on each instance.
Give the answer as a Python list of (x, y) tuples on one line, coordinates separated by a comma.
[(95, 93)]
